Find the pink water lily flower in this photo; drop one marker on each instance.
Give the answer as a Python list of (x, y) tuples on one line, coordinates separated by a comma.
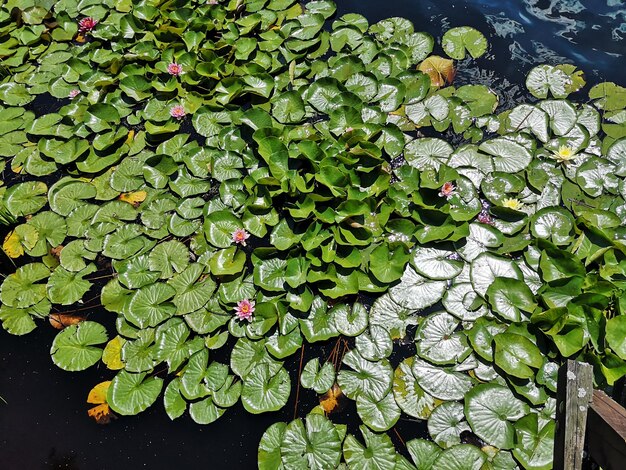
[(447, 190), (175, 69), (240, 236), (74, 93), (245, 309), (177, 111), (87, 24)]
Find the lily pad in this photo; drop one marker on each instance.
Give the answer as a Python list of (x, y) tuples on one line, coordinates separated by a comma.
[(74, 348), (491, 409), (314, 444), (415, 291), (457, 41), (316, 378), (130, 394)]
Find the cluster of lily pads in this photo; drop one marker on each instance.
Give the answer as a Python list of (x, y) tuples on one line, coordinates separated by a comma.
[(258, 170)]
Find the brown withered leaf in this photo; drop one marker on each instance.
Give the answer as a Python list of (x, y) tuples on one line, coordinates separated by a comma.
[(333, 401), (102, 414), (440, 70), (56, 251), (60, 320)]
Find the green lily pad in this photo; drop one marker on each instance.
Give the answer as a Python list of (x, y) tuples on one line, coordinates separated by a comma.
[(314, 444), (66, 287), (508, 297), (457, 41), (446, 423), (264, 390), (269, 456), (440, 382), (409, 396), (517, 355), (377, 453), (25, 198), (534, 442), (316, 378), (437, 342), (74, 347), (366, 377), (491, 409), (23, 288), (130, 394), (150, 305)]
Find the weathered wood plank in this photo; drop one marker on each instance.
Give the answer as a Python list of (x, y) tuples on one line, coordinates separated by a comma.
[(574, 392), (606, 432)]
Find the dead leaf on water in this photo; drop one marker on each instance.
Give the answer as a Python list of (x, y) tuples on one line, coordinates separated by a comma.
[(101, 413), (60, 320), (440, 70), (135, 198), (333, 400)]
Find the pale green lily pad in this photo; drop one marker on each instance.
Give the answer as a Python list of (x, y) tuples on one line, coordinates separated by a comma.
[(351, 321), (487, 267), (440, 382), (437, 341), (372, 378), (374, 344), (391, 316), (456, 41), (446, 423), (377, 454), (316, 378), (409, 396), (460, 457), (416, 291), (264, 390), (378, 415), (490, 410), (314, 444), (436, 264)]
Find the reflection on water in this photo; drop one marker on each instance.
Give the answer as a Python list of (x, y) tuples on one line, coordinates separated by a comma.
[(588, 33)]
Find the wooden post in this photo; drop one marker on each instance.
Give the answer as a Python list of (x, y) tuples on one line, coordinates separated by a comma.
[(574, 392), (606, 432)]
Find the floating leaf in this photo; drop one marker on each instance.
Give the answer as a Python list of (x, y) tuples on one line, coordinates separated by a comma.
[(417, 292), (74, 347), (314, 444), (490, 411), (377, 454), (437, 342), (409, 396), (130, 394), (446, 423), (316, 378), (458, 40)]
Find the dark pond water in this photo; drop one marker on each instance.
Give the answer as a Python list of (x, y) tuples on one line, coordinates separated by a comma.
[(44, 425)]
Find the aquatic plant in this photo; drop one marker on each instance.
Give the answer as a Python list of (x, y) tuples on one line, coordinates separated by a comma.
[(297, 184)]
